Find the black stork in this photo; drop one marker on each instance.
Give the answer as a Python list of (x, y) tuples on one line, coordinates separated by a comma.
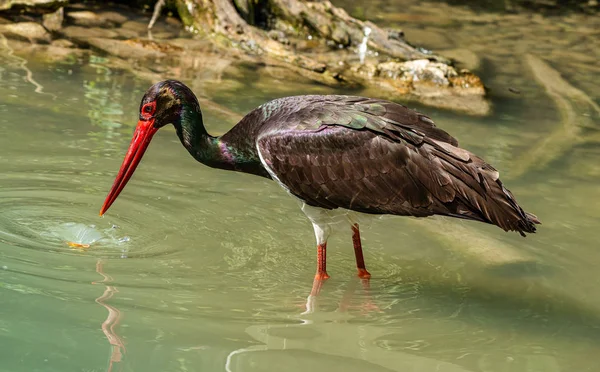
[(340, 156)]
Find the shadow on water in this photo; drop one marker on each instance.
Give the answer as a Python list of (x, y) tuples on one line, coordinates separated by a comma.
[(512, 307)]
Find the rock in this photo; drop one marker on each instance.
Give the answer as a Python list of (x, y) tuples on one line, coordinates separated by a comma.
[(86, 18), (113, 17), (162, 47), (126, 33), (53, 21), (19, 45), (46, 53), (38, 5), (417, 71), (26, 30), (369, 70), (135, 26), (80, 35), (196, 46), (340, 35), (62, 43), (162, 35), (127, 49), (433, 83), (53, 53), (172, 21), (276, 35)]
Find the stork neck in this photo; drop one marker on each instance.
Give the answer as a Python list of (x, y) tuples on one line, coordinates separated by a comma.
[(205, 148)]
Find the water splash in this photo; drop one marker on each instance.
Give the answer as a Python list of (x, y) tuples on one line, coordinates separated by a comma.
[(362, 48), (79, 235)]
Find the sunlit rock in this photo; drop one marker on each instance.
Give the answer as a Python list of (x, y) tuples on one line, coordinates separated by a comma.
[(30, 31), (38, 5), (54, 21)]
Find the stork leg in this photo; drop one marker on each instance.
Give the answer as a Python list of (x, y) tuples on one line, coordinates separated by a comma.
[(322, 262), (358, 253), (321, 276), (321, 233), (322, 230), (320, 222)]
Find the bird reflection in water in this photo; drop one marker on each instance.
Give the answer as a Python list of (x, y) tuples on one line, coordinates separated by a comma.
[(113, 318), (366, 302), (313, 333)]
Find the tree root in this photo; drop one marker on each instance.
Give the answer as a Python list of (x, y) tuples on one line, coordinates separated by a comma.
[(323, 43)]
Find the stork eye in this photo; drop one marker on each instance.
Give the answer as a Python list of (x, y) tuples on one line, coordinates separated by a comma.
[(148, 108)]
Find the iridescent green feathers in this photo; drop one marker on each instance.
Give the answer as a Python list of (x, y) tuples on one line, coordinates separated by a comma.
[(176, 104)]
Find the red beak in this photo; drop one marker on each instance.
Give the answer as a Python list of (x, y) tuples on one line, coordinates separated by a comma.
[(139, 143)]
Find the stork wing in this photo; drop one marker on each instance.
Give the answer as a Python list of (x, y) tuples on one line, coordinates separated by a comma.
[(371, 163)]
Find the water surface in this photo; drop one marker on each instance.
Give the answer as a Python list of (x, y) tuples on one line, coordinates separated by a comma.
[(195, 269)]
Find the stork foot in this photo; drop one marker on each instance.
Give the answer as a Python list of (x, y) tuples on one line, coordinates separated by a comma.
[(363, 273), (320, 279), (322, 276)]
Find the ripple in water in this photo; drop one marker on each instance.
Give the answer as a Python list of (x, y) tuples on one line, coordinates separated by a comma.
[(57, 221)]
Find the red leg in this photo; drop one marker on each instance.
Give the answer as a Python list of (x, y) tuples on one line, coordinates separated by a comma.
[(321, 274), (360, 260), (322, 262)]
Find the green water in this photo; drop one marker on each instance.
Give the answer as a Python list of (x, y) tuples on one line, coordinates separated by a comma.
[(195, 269)]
